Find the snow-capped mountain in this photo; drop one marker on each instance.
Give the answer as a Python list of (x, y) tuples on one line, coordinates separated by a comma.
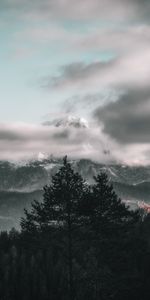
[(21, 183), (29, 173), (69, 121)]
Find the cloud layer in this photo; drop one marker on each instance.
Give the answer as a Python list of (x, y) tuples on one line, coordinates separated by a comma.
[(127, 120), (126, 71), (24, 141), (99, 63), (79, 9), (124, 118), (18, 141)]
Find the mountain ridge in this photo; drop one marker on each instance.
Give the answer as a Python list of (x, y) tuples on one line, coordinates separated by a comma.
[(21, 183)]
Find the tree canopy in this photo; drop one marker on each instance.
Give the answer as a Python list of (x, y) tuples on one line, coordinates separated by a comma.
[(81, 242)]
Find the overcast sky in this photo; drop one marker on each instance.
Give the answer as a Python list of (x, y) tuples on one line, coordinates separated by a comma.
[(89, 59)]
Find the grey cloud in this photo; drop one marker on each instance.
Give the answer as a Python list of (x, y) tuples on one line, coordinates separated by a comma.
[(125, 72), (88, 102), (63, 135), (9, 135), (74, 73), (128, 119), (80, 9), (18, 141), (75, 103), (90, 143), (121, 39)]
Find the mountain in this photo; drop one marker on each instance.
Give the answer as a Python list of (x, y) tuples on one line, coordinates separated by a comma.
[(21, 183), (69, 121)]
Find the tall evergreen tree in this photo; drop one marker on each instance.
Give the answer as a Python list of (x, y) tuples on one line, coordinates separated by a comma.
[(58, 211), (108, 221), (88, 225), (108, 209)]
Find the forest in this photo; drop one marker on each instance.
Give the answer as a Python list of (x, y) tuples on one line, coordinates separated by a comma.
[(80, 242)]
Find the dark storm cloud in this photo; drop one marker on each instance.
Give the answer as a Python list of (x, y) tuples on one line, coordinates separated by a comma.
[(128, 119)]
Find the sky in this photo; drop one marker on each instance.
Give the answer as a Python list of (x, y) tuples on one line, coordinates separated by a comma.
[(81, 62)]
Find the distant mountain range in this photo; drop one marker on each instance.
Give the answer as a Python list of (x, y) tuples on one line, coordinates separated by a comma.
[(23, 182)]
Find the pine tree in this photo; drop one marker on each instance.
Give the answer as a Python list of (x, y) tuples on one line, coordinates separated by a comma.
[(108, 221), (88, 225), (59, 211), (108, 209)]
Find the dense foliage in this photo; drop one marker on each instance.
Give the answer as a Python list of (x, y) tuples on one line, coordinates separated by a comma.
[(80, 243)]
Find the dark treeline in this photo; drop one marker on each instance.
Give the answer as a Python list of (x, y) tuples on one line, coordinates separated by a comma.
[(80, 243)]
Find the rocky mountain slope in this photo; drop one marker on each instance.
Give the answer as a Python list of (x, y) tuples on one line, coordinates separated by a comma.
[(21, 183)]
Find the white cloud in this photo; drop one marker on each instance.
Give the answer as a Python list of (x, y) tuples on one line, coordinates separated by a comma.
[(128, 71), (122, 39), (19, 141)]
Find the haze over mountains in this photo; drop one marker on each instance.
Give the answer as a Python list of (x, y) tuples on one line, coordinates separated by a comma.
[(22, 182)]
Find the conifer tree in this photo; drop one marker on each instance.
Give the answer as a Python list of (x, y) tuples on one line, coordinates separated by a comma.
[(59, 210), (108, 221), (89, 225), (108, 209)]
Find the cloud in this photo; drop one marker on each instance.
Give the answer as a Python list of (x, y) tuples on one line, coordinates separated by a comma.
[(123, 123), (122, 39), (26, 141), (18, 141), (79, 9), (76, 74), (126, 46), (81, 103), (51, 32), (122, 72), (85, 104), (128, 119)]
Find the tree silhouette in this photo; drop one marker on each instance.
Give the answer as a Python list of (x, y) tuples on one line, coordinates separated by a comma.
[(59, 210), (87, 227), (108, 221)]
